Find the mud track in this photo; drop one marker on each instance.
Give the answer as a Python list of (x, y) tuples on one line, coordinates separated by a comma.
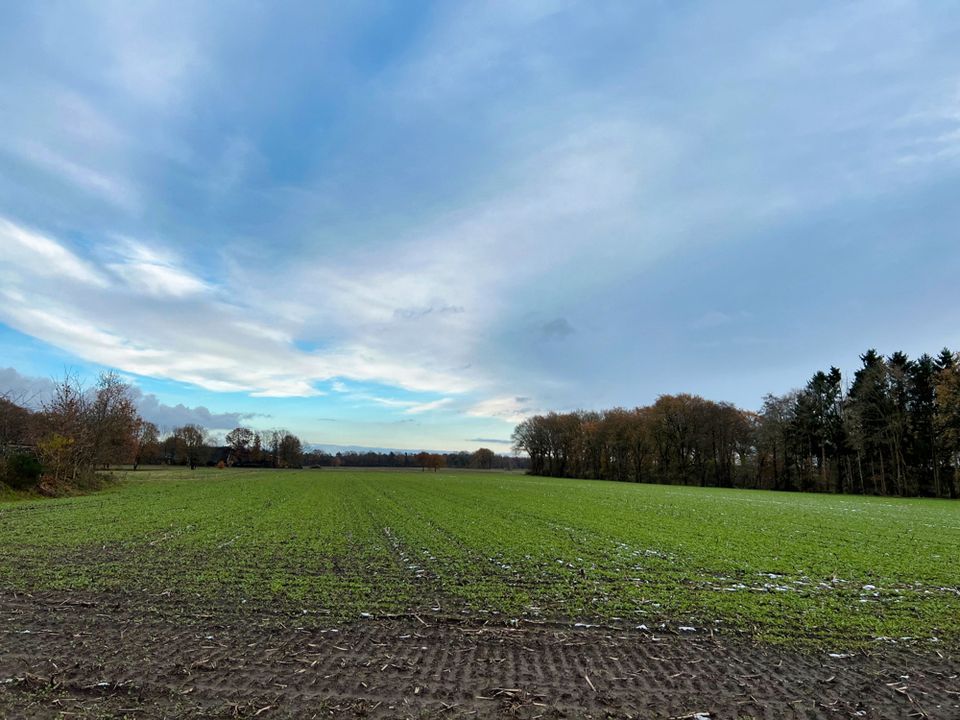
[(104, 656)]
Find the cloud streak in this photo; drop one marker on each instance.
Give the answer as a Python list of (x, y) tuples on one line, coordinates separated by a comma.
[(32, 253)]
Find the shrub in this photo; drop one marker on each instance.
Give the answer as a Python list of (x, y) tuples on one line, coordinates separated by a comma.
[(90, 480), (23, 471)]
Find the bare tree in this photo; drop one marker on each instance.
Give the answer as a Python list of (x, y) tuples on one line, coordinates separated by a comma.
[(112, 420), (148, 441)]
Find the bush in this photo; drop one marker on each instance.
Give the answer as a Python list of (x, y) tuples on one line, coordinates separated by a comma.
[(90, 480), (23, 471)]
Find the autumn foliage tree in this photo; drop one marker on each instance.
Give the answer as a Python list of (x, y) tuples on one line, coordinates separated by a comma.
[(483, 458), (78, 430), (147, 439), (894, 429), (191, 444), (241, 441), (290, 451)]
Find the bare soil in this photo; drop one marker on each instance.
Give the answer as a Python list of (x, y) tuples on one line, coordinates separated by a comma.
[(106, 656)]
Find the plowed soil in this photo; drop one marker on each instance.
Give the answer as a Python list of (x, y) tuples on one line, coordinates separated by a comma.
[(104, 656)]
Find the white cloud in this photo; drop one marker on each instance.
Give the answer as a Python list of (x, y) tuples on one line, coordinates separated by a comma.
[(508, 409), (427, 406), (54, 295), (38, 254), (409, 407), (158, 280)]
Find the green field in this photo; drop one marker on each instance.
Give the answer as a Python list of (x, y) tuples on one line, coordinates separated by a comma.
[(337, 544)]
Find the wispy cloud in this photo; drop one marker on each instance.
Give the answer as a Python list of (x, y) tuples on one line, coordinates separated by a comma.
[(85, 177), (36, 254), (510, 409), (145, 270), (428, 406)]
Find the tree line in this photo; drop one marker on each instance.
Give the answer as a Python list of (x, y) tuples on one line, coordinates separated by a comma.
[(80, 430), (893, 429), (481, 459)]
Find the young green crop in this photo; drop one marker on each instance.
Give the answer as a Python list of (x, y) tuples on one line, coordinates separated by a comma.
[(785, 567)]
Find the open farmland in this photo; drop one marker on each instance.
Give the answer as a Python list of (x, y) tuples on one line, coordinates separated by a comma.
[(766, 577)]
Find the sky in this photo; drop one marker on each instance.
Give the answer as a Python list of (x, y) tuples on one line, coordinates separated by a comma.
[(411, 224)]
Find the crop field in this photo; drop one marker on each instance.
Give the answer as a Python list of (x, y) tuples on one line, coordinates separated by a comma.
[(799, 568), (800, 575)]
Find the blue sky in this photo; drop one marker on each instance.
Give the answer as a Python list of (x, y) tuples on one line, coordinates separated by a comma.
[(409, 224)]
